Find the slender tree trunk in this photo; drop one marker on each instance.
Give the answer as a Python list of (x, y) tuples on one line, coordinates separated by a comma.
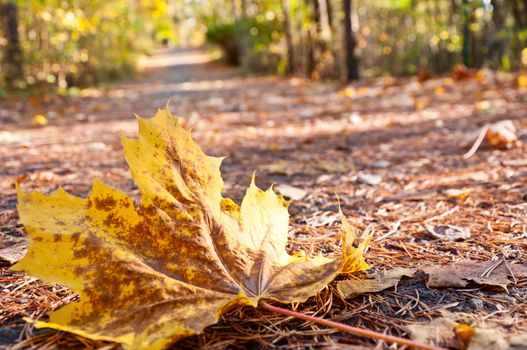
[(519, 17), (243, 37), (350, 44), (311, 60), (13, 58), (329, 9), (288, 38), (498, 45), (315, 43), (316, 14), (466, 51), (324, 18)]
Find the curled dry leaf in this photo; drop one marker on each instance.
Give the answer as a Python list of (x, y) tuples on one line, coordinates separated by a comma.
[(455, 193), (446, 332), (150, 275), (449, 233), (459, 274), (501, 134), (291, 192), (482, 339), (374, 282), (439, 331), (369, 179)]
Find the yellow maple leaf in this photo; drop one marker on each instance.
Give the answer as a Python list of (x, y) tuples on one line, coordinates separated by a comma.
[(149, 275)]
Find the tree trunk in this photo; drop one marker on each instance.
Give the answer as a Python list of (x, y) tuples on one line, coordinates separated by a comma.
[(243, 40), (329, 14), (323, 20), (13, 58), (517, 13), (498, 45), (350, 44), (466, 51), (288, 38)]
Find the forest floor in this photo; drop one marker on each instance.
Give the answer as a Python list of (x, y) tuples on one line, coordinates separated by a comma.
[(391, 149)]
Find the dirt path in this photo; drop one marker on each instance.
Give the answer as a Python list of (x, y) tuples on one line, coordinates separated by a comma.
[(390, 149)]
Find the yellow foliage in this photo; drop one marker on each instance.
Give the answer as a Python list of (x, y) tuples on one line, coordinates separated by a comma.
[(151, 274)]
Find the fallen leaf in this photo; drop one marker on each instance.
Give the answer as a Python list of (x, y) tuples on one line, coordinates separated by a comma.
[(464, 332), (96, 146), (448, 233), (522, 81), (150, 275), (461, 72), (514, 162), (459, 274), (446, 332), (438, 332), (363, 91), (350, 92), (40, 120), (381, 164), (421, 104), (423, 75), (454, 193), (501, 134), (13, 252), (439, 90), (291, 192), (494, 338), (374, 282), (369, 179), (482, 105)]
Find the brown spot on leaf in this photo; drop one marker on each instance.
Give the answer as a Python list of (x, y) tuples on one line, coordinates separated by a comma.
[(105, 204)]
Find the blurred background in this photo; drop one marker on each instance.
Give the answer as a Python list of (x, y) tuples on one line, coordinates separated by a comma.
[(57, 45)]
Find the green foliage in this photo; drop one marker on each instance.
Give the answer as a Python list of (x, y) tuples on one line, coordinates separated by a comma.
[(394, 37), (260, 33), (82, 42), (224, 35)]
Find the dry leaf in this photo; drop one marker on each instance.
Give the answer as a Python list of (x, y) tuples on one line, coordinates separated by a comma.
[(482, 105), (522, 81), (374, 282), (350, 92), (447, 333), (369, 179), (459, 274), (454, 193), (496, 339), (461, 72), (421, 103), (439, 90), (40, 120), (13, 252), (150, 275), (449, 233), (501, 134), (464, 332), (291, 192), (438, 332)]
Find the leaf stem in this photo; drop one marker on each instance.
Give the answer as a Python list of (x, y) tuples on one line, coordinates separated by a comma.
[(353, 330)]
